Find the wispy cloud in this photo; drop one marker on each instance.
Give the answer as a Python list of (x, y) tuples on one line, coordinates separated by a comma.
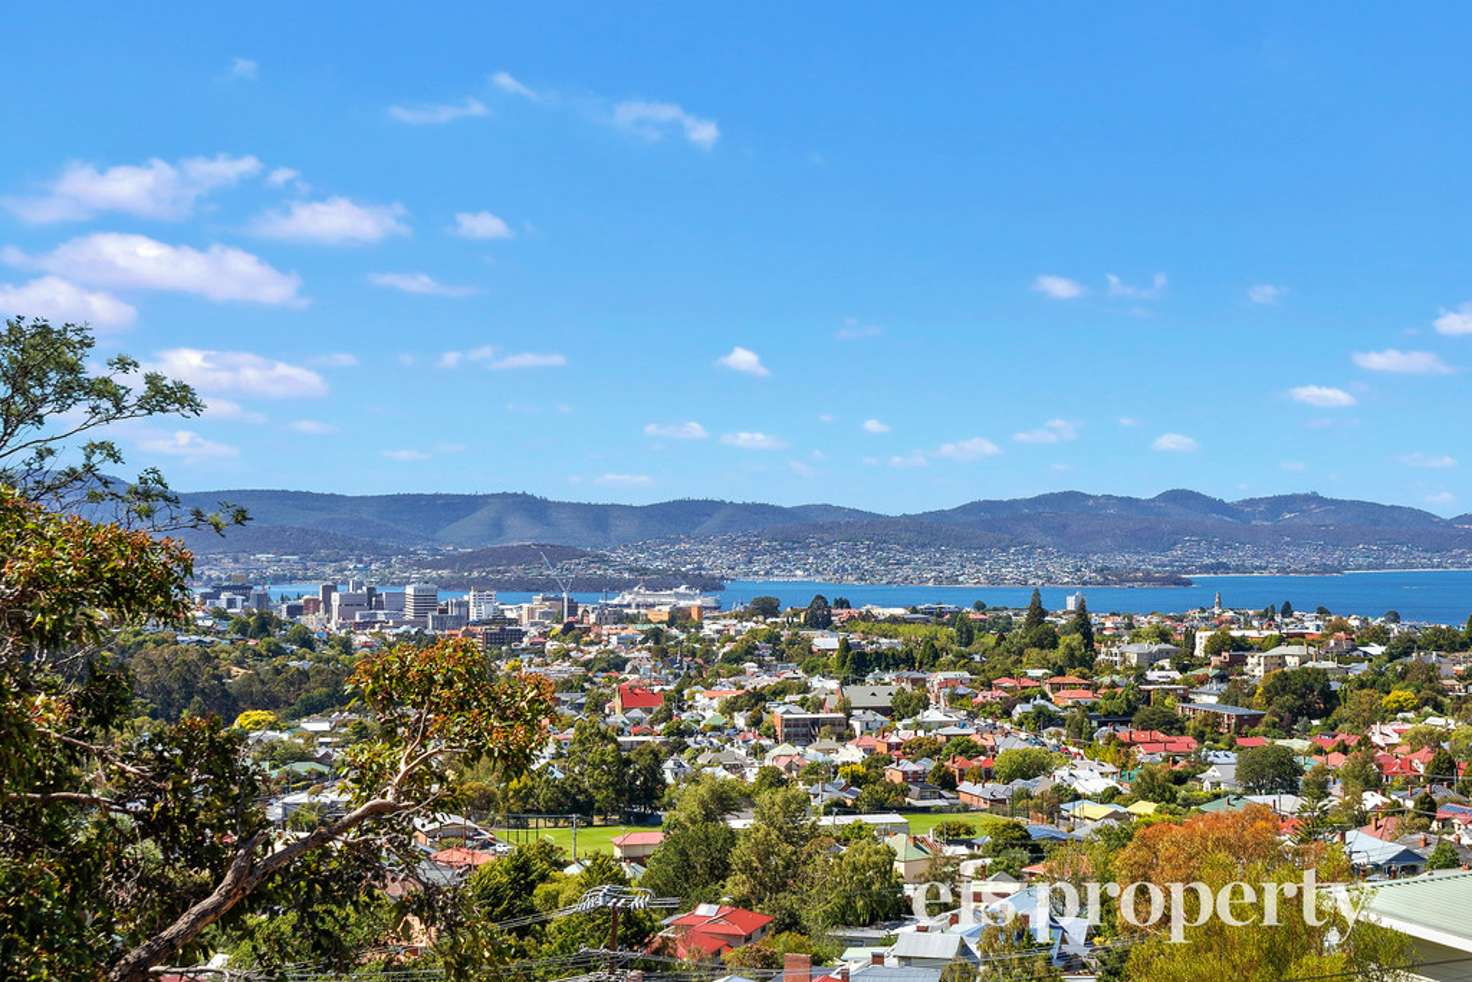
[(690, 430), (507, 83), (653, 120), (186, 444), (335, 359), (480, 225), (624, 480), (1322, 396), (973, 448), (1053, 431), (745, 360), (155, 190), (437, 114), (1175, 443), (1119, 288), (875, 426), (117, 260), (528, 359), (751, 440), (915, 458), (1266, 294), (1427, 461), (1058, 287), (1402, 362), (420, 283), (332, 221), (230, 411), (312, 427), (1441, 498), (406, 455), (854, 330), (244, 68)]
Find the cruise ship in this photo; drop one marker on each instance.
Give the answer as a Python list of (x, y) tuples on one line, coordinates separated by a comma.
[(643, 598)]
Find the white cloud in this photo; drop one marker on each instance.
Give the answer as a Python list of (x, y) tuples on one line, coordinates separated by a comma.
[(1174, 443), (332, 221), (1322, 396), (875, 426), (336, 359), (282, 176), (1058, 287), (1119, 288), (802, 468), (754, 441), (186, 444), (915, 458), (1266, 293), (59, 300), (420, 283), (1457, 321), (974, 448), (125, 261), (652, 120), (312, 427), (624, 480), (245, 68), (155, 190), (239, 372), (1440, 498), (437, 114), (1402, 362), (825, 417), (405, 456), (480, 225), (217, 408), (676, 431), (1128, 421), (507, 83), (1428, 461), (1053, 431), (1295, 466), (744, 360), (528, 359)]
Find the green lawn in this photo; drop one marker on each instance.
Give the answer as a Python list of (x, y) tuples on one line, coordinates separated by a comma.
[(922, 822)]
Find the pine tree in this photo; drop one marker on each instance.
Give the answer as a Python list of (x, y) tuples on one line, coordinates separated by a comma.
[(1035, 612), (1084, 624)]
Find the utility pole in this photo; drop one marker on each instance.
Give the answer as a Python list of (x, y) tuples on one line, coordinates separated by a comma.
[(561, 584)]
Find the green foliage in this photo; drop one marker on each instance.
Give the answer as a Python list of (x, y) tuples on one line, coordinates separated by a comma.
[(1023, 763), (1270, 769)]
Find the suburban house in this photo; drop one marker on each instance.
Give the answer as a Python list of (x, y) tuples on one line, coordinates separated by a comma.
[(711, 930), (632, 696), (636, 846), (1222, 718)]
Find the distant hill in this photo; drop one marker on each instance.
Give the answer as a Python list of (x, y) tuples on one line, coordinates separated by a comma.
[(1071, 522)]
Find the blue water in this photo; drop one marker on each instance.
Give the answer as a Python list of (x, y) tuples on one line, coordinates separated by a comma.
[(1442, 596)]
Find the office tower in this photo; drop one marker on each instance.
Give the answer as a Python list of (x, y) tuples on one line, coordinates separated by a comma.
[(420, 600)]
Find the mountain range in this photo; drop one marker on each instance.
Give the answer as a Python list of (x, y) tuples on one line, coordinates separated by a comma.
[(1070, 522)]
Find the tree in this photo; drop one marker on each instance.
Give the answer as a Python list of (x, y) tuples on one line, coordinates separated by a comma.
[(859, 887), (908, 701), (1036, 614), (1083, 625), (51, 395), (818, 615), (694, 859), (765, 607), (1313, 811), (1444, 856), (1153, 783), (771, 863), (1270, 769), (1286, 611), (1023, 763), (1295, 696), (1157, 718)]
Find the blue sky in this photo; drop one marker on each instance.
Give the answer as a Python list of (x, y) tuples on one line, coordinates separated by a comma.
[(839, 253)]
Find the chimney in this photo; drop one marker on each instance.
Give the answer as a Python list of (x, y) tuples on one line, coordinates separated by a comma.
[(797, 967), (876, 957), (955, 917), (921, 928)]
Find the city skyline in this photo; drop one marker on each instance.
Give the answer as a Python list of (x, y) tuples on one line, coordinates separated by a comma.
[(763, 255)]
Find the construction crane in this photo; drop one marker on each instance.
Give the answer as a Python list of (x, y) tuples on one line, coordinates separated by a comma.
[(561, 583)]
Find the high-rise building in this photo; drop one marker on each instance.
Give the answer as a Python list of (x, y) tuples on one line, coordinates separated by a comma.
[(420, 600), (483, 605), (324, 594)]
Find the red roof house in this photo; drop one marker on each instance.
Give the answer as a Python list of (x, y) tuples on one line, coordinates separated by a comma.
[(711, 930)]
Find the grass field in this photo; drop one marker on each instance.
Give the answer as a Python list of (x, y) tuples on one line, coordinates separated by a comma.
[(599, 838), (591, 838)]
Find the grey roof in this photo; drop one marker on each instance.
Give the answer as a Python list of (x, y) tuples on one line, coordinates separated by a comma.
[(929, 944), (894, 973), (1222, 708)]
